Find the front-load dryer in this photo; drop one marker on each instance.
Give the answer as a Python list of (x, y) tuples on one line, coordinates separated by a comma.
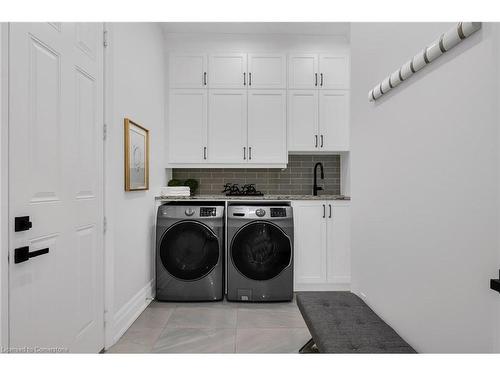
[(260, 253), (190, 252)]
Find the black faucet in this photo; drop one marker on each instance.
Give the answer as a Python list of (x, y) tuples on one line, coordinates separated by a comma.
[(316, 188)]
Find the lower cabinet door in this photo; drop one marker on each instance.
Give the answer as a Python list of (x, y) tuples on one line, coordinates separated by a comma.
[(339, 242), (310, 228)]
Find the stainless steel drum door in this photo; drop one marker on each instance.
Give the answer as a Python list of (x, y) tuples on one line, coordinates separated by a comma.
[(261, 250), (189, 250)]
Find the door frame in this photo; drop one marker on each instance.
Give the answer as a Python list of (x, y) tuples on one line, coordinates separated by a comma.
[(4, 188), (4, 181)]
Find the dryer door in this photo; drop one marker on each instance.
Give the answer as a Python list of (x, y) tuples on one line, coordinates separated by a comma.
[(261, 250), (189, 250)]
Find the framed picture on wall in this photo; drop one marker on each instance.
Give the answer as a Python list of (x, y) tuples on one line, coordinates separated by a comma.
[(136, 156)]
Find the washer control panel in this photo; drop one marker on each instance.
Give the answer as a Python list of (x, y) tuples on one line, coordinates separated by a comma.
[(278, 212), (208, 211)]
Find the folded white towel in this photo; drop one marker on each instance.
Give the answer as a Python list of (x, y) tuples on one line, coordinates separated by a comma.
[(175, 191)]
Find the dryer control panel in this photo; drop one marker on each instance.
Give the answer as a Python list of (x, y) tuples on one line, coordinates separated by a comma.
[(278, 212), (208, 211)]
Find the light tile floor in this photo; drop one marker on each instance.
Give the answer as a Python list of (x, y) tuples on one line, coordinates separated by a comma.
[(216, 327)]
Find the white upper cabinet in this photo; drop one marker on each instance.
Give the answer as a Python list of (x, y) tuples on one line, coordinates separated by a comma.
[(227, 71), (188, 119), (303, 120), (188, 71), (333, 120), (267, 126), (333, 72), (266, 71), (320, 113), (227, 126), (303, 71)]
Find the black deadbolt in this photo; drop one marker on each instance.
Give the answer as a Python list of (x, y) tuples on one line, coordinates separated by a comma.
[(22, 223)]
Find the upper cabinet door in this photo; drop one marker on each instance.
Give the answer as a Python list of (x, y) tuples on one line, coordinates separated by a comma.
[(227, 126), (303, 71), (228, 71), (303, 132), (188, 71), (188, 126), (267, 126), (334, 120), (333, 72), (266, 71)]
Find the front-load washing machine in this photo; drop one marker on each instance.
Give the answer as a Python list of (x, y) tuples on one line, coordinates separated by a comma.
[(260, 253), (190, 252)]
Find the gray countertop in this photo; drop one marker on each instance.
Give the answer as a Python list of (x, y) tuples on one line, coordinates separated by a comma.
[(267, 197)]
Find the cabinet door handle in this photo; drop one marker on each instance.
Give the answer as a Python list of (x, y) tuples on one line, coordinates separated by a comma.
[(244, 153), (205, 152), (250, 79), (321, 83), (205, 78), (244, 79), (330, 207), (324, 211), (315, 79), (316, 141), (249, 153), (321, 137)]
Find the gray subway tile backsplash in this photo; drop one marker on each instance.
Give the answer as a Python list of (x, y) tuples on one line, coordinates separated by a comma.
[(297, 178)]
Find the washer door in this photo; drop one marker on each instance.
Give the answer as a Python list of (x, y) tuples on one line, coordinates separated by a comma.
[(261, 250), (189, 250)]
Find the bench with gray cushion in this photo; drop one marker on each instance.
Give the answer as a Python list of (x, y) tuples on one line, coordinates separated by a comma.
[(340, 322)]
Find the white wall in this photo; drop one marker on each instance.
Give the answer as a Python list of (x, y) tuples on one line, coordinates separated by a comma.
[(135, 89), (425, 186), (213, 42)]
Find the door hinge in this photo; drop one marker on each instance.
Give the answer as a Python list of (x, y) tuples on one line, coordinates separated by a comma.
[(105, 225), (105, 38), (104, 131)]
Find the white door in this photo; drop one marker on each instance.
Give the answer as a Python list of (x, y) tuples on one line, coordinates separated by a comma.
[(334, 72), (303, 120), (55, 166), (339, 242), (266, 71), (303, 71), (228, 71), (188, 71), (309, 242), (334, 120), (227, 126), (187, 135), (267, 126)]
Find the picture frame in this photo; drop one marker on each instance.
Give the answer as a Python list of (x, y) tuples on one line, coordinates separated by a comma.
[(136, 148)]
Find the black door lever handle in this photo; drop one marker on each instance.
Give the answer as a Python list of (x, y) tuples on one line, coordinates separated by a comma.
[(22, 254)]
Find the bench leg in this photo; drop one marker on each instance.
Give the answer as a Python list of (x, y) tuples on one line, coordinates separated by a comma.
[(309, 347)]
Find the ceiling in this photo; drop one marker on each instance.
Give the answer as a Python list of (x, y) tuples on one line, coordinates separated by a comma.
[(303, 28)]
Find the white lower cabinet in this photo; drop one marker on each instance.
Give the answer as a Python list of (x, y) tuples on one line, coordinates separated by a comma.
[(322, 245)]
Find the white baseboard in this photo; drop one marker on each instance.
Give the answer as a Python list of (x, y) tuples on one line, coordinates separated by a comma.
[(322, 287), (127, 314)]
